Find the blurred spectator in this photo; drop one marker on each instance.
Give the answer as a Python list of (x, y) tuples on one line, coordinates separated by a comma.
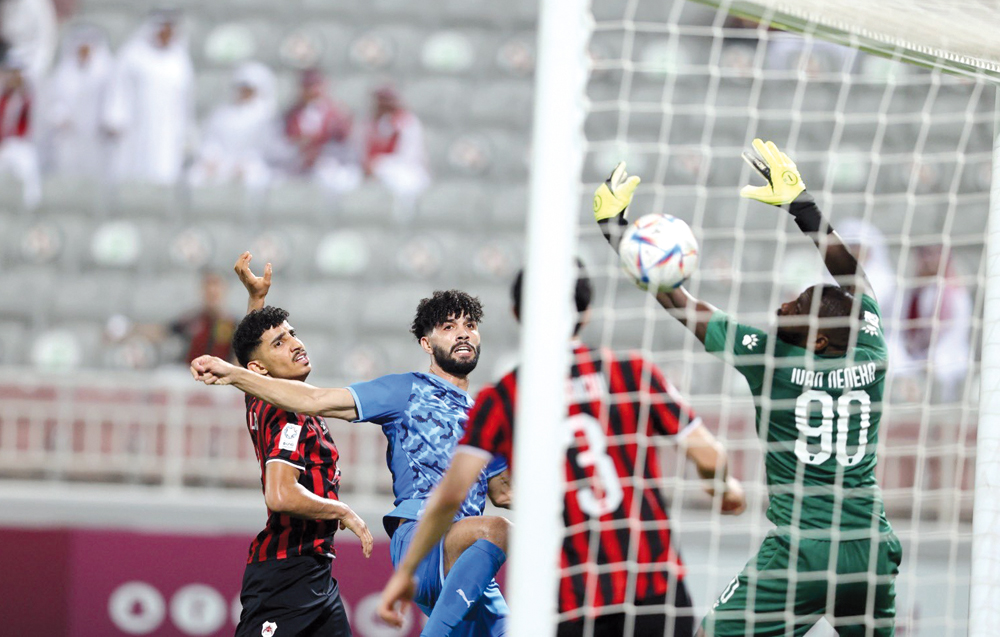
[(17, 151), (318, 129), (206, 330), (236, 136), (394, 150), (209, 329), (150, 102), (74, 104), (29, 28), (872, 250), (939, 310), (814, 57)]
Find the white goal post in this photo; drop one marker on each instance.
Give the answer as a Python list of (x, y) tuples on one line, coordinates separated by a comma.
[(951, 36), (984, 606), (556, 160)]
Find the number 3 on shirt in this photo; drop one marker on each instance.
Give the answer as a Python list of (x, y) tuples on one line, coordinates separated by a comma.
[(824, 431), (595, 456)]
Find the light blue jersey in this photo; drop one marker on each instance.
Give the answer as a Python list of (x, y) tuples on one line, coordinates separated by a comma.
[(423, 417)]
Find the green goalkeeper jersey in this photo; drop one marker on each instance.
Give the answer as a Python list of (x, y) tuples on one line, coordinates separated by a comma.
[(818, 417)]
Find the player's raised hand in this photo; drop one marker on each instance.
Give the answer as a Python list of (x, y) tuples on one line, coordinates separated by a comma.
[(784, 183), (257, 286), (353, 523), (396, 598), (613, 196), (212, 370), (734, 499)]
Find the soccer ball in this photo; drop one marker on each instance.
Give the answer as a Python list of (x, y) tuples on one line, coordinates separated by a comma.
[(659, 252)]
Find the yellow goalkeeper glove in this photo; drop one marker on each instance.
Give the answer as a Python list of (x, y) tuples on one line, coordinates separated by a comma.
[(613, 196), (784, 183)]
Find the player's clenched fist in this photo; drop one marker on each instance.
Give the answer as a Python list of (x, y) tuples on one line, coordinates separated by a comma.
[(212, 370), (734, 500), (396, 595)]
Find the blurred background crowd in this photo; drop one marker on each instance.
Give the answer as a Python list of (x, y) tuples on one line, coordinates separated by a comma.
[(130, 115), (377, 150), (169, 141)]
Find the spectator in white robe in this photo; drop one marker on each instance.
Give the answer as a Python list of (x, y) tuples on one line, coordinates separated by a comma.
[(17, 149), (150, 105), (394, 150), (237, 136), (74, 103), (31, 30), (939, 312), (872, 250)]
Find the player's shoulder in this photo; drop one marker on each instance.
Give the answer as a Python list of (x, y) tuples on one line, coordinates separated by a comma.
[(871, 334), (869, 303), (267, 412), (597, 358), (403, 380), (503, 390)]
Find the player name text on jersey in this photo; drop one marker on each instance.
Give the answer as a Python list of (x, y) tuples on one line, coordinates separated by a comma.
[(845, 378)]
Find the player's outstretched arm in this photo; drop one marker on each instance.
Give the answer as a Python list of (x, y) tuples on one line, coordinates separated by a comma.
[(693, 313), (257, 286), (611, 202), (710, 459), (785, 188), (290, 395), (284, 494), (434, 524)]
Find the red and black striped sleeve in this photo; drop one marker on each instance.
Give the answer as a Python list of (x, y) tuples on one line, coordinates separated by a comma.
[(490, 425), (280, 435), (669, 413)]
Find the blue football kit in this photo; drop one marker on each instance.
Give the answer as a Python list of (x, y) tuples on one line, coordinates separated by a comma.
[(423, 417)]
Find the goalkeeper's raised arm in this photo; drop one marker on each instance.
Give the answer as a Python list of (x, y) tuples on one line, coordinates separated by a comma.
[(611, 202), (785, 188)]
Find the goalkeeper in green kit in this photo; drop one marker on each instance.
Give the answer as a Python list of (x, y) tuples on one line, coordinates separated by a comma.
[(818, 384)]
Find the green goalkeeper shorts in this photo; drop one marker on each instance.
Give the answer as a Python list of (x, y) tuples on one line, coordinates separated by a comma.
[(784, 590)]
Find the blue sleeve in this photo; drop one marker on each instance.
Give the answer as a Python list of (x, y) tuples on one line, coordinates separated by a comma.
[(383, 399), (495, 467)]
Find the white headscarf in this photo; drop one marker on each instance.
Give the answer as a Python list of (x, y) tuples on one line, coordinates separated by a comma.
[(30, 27), (73, 86), (239, 127), (151, 102)]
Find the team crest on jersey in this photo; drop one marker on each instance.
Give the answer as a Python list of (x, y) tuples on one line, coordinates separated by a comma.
[(268, 629), (289, 437), (871, 325), (749, 341), (253, 421)]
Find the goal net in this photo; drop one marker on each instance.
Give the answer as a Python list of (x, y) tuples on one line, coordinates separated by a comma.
[(891, 123)]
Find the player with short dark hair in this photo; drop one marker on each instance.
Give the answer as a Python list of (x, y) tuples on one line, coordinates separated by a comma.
[(614, 401), (423, 416), (818, 388), (288, 587)]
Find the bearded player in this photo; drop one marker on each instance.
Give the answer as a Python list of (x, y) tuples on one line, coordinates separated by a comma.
[(818, 383), (614, 401), (423, 415)]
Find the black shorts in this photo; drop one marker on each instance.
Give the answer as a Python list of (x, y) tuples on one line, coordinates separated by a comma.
[(298, 595), (669, 615)]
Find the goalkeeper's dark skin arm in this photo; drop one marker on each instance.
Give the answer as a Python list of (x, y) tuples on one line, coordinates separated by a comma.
[(784, 188)]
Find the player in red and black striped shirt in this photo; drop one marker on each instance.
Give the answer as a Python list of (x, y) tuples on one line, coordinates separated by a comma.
[(287, 585), (616, 405)]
